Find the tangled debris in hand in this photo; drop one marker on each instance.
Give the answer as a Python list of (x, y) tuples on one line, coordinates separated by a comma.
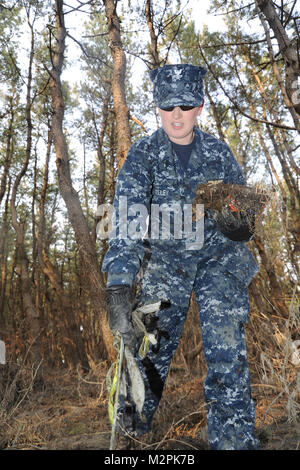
[(216, 196)]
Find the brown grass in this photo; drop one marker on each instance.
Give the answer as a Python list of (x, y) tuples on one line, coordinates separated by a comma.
[(69, 410)]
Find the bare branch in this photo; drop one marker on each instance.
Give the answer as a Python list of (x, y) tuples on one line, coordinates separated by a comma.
[(236, 105), (86, 53)]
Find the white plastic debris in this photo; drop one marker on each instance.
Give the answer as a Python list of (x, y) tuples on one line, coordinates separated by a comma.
[(137, 383), (2, 352), (295, 352)]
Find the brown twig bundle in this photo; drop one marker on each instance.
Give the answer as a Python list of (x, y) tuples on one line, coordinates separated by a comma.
[(216, 195)]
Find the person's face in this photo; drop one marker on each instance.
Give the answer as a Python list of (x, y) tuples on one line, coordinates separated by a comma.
[(179, 124)]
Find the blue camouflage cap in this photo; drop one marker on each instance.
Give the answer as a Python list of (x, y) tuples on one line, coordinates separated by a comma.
[(178, 85)]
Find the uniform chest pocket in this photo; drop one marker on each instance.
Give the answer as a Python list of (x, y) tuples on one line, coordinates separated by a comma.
[(213, 170)]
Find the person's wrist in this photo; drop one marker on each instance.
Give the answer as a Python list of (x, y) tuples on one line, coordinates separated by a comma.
[(119, 279)]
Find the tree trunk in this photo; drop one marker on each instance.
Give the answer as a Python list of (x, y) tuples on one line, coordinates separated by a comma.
[(86, 247), (8, 150), (5, 216), (72, 345), (118, 81), (102, 162), (26, 285), (289, 53), (153, 37), (3, 259)]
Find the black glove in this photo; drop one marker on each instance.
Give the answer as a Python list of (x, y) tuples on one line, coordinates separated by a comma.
[(238, 228), (119, 307)]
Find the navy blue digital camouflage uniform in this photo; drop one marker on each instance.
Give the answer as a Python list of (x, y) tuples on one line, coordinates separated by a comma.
[(218, 272)]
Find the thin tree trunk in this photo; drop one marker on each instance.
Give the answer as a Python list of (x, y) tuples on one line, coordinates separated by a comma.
[(287, 50), (72, 345), (26, 285), (8, 151), (153, 37), (102, 163), (86, 247), (3, 258), (118, 81)]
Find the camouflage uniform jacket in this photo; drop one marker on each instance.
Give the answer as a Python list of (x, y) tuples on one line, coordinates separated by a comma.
[(152, 174)]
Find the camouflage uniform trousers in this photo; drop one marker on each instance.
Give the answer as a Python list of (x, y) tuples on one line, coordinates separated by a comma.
[(223, 307)]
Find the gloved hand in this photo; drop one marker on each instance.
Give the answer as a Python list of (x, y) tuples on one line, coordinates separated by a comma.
[(119, 306), (239, 227)]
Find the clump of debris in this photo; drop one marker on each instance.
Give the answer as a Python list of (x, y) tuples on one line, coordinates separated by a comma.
[(216, 195)]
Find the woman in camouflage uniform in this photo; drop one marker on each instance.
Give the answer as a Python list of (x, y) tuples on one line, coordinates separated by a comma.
[(163, 170)]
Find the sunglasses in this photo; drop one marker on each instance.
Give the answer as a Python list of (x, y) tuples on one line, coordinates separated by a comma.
[(183, 108)]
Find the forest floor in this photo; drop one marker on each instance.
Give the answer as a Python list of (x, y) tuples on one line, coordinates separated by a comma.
[(69, 412)]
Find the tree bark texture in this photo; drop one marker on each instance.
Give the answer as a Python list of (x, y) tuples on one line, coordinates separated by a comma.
[(118, 81)]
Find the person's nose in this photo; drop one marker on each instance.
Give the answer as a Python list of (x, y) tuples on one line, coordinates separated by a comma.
[(177, 113)]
